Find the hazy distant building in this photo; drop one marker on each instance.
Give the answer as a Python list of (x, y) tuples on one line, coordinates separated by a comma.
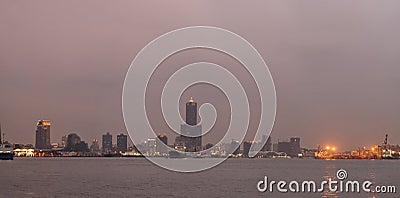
[(82, 146), (295, 146), (208, 146), (275, 147), (246, 148), (64, 141), (75, 144), (234, 147), (192, 144), (122, 143), (191, 128), (72, 139), (151, 146), (268, 143), (43, 134), (95, 147), (291, 148), (284, 147), (107, 142), (162, 139), (191, 112), (55, 145), (1, 139)]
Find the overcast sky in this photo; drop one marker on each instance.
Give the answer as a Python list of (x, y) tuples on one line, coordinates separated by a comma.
[(335, 64)]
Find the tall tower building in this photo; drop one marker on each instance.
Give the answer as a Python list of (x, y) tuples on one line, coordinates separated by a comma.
[(190, 132), (191, 112), (122, 142), (43, 134), (107, 142)]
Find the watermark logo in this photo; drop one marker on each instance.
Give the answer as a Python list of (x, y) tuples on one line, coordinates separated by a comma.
[(341, 174), (136, 117), (338, 185)]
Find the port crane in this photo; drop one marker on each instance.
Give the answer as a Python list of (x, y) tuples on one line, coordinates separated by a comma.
[(387, 152), (385, 142)]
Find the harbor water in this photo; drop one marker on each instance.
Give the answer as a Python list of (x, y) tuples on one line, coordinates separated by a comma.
[(137, 177)]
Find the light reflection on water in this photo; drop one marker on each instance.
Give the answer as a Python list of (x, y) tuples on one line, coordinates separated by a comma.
[(330, 172)]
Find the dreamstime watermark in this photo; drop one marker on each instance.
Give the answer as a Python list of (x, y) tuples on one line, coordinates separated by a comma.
[(136, 116), (340, 184)]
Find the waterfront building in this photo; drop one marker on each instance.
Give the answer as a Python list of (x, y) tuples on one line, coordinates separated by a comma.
[(95, 147), (291, 148), (122, 143), (75, 144), (43, 134), (161, 140), (191, 112), (72, 140), (107, 142), (234, 147), (268, 143), (295, 146), (64, 141), (190, 132), (151, 146), (246, 148)]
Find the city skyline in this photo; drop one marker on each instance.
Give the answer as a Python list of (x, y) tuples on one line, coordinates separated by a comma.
[(332, 86), (199, 98), (122, 141)]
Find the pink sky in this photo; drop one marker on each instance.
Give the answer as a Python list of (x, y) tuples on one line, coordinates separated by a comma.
[(335, 64)]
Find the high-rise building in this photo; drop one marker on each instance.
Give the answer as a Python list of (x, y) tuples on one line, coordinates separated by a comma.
[(291, 148), (72, 140), (151, 146), (64, 141), (246, 148), (95, 147), (161, 140), (43, 134), (191, 112), (107, 142), (74, 143), (295, 146), (268, 143), (122, 143), (1, 140), (234, 147), (284, 147), (275, 147), (191, 132)]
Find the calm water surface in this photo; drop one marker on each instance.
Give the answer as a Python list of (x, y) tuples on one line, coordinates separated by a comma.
[(137, 177)]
